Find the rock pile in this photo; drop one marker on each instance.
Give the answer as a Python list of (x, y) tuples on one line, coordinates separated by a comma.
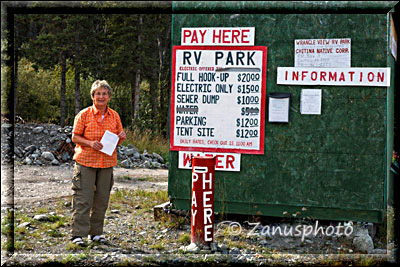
[(43, 144), (131, 158), (49, 144)]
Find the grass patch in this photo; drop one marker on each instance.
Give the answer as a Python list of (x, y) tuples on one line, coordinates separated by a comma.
[(70, 260), (115, 206), (41, 235), (146, 199), (143, 241), (158, 246), (18, 245), (61, 222), (237, 244), (146, 140), (125, 177), (26, 238), (42, 210), (174, 222), (6, 223), (151, 179), (54, 233), (73, 247), (185, 239)]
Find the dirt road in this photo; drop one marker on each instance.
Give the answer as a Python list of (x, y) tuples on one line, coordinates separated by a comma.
[(38, 183)]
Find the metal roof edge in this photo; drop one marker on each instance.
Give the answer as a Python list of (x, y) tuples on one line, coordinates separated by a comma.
[(283, 6)]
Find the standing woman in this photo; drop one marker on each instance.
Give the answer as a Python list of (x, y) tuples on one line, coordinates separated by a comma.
[(93, 171)]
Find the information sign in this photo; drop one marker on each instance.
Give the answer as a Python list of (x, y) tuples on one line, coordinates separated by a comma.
[(334, 76)]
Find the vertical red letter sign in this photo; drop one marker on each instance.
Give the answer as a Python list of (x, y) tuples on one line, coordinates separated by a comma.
[(202, 214)]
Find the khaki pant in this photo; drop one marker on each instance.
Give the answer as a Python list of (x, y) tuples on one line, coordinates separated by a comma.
[(91, 188)]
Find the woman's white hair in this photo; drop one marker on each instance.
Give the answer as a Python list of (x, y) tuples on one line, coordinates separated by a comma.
[(100, 84)]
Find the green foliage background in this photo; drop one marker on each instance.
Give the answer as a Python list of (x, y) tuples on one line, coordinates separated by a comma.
[(93, 46), (38, 94), (59, 56)]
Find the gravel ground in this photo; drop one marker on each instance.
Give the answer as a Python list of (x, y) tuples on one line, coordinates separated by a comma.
[(136, 238), (32, 181)]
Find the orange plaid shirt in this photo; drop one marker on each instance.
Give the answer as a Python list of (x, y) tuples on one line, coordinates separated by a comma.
[(89, 125)]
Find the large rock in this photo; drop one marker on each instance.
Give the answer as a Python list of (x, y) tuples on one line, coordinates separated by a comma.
[(158, 157), (24, 225), (38, 129), (126, 163), (192, 248), (30, 148), (363, 241), (65, 156), (148, 164), (18, 152), (42, 217), (27, 161), (156, 165), (48, 156), (130, 151)]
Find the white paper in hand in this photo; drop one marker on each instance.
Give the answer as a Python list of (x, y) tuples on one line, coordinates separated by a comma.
[(109, 142)]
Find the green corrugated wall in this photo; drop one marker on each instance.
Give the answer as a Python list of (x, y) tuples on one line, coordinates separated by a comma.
[(335, 164)]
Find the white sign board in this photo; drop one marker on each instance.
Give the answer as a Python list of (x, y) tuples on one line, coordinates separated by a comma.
[(310, 101), (218, 36), (218, 99), (334, 76), (223, 161), (327, 53)]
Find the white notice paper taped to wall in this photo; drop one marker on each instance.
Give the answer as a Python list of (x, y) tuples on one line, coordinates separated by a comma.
[(109, 142), (310, 101), (278, 110)]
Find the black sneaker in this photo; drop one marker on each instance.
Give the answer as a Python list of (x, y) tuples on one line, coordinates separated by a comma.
[(77, 240), (98, 239)]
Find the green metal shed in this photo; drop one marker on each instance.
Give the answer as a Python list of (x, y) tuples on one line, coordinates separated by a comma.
[(334, 166)]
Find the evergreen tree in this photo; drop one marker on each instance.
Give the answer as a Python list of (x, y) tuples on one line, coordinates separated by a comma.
[(128, 50), (50, 48)]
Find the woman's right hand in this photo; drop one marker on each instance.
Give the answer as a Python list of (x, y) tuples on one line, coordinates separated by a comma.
[(79, 139), (96, 145)]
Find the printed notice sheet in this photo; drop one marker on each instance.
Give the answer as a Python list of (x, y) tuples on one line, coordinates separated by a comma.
[(278, 110), (310, 102), (109, 142), (324, 53)]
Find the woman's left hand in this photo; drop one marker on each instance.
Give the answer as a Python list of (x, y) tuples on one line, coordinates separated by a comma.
[(122, 135)]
